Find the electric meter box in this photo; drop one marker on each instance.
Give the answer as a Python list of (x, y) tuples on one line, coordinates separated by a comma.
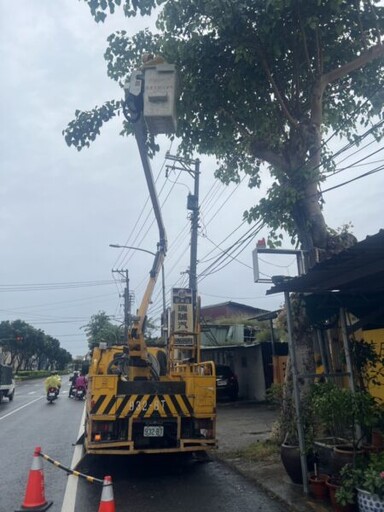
[(160, 89)]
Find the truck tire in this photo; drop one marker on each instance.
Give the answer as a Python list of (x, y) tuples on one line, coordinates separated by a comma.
[(11, 395)]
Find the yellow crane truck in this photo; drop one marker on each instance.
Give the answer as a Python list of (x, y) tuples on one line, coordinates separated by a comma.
[(143, 399)]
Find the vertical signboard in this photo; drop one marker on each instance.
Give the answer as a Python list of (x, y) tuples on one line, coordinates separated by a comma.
[(182, 313)]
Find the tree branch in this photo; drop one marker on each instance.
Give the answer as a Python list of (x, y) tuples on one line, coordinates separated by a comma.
[(366, 57), (302, 30), (260, 150), (280, 99)]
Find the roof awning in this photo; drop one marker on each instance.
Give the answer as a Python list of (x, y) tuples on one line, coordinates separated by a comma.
[(357, 269), (353, 279)]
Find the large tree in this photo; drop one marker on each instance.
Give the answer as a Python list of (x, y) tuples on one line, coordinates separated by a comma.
[(261, 81), (101, 329)]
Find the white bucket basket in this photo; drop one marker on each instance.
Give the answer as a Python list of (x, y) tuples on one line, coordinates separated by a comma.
[(160, 98)]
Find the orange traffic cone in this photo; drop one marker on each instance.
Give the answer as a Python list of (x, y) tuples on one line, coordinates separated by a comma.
[(34, 495), (107, 503)]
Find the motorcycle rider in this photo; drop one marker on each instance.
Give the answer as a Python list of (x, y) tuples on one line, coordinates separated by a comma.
[(81, 381), (53, 381), (72, 379)]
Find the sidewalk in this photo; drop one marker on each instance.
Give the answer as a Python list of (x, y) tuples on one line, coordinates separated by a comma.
[(240, 424)]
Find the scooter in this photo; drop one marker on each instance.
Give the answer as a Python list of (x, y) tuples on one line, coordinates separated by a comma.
[(72, 392), (52, 394), (80, 393)]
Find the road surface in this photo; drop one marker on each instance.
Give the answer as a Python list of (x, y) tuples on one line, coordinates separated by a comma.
[(140, 484)]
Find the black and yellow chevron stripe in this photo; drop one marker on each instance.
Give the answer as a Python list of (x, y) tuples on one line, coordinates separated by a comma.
[(143, 406)]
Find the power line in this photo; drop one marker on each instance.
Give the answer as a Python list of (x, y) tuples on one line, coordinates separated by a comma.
[(374, 171), (69, 303), (227, 253), (52, 286)]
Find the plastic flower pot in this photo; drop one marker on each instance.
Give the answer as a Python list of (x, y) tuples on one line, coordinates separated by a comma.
[(317, 486)]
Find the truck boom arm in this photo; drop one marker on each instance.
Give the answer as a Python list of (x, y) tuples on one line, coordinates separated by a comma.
[(134, 111)]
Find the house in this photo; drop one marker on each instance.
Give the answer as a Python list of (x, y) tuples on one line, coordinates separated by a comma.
[(344, 297), (229, 323), (230, 336)]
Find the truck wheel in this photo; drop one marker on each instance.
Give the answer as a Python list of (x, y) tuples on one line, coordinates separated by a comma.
[(10, 397), (1, 396)]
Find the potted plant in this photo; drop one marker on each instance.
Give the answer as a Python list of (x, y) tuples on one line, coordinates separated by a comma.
[(367, 481), (344, 417), (346, 494), (287, 433), (329, 407)]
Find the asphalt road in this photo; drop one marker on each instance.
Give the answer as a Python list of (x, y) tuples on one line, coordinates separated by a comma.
[(146, 484), (29, 421), (164, 484)]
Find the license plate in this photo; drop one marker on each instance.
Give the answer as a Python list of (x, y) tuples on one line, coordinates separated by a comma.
[(153, 431), (222, 382)]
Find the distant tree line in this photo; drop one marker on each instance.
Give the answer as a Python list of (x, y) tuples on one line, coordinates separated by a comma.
[(26, 348)]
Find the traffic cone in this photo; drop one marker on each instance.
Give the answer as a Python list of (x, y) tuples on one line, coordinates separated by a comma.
[(107, 502), (34, 495)]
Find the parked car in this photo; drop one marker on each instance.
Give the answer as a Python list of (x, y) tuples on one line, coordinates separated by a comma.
[(227, 385)]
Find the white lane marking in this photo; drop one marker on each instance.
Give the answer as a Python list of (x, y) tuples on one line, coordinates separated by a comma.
[(32, 392), (69, 501), (21, 407)]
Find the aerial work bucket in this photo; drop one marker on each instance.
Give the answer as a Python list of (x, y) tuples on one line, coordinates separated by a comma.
[(160, 86)]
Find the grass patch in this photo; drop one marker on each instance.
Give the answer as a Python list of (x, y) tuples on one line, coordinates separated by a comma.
[(259, 451)]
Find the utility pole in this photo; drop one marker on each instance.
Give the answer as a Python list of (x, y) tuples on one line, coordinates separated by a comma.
[(127, 301), (193, 169)]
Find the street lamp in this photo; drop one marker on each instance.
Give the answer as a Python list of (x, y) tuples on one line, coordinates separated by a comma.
[(118, 246)]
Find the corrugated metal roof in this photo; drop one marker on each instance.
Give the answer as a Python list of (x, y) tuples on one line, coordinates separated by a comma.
[(359, 269)]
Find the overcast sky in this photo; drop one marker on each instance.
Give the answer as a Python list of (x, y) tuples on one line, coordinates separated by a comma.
[(60, 209)]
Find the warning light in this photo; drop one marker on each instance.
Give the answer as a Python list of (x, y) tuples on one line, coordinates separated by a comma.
[(261, 244), (97, 437)]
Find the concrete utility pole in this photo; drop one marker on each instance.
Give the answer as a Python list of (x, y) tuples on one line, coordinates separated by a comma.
[(193, 169), (127, 301)]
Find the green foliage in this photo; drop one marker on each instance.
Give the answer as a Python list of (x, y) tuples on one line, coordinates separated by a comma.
[(101, 329), (100, 8), (367, 363), (87, 125), (368, 476), (29, 348), (260, 82), (346, 492), (339, 411), (373, 476)]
